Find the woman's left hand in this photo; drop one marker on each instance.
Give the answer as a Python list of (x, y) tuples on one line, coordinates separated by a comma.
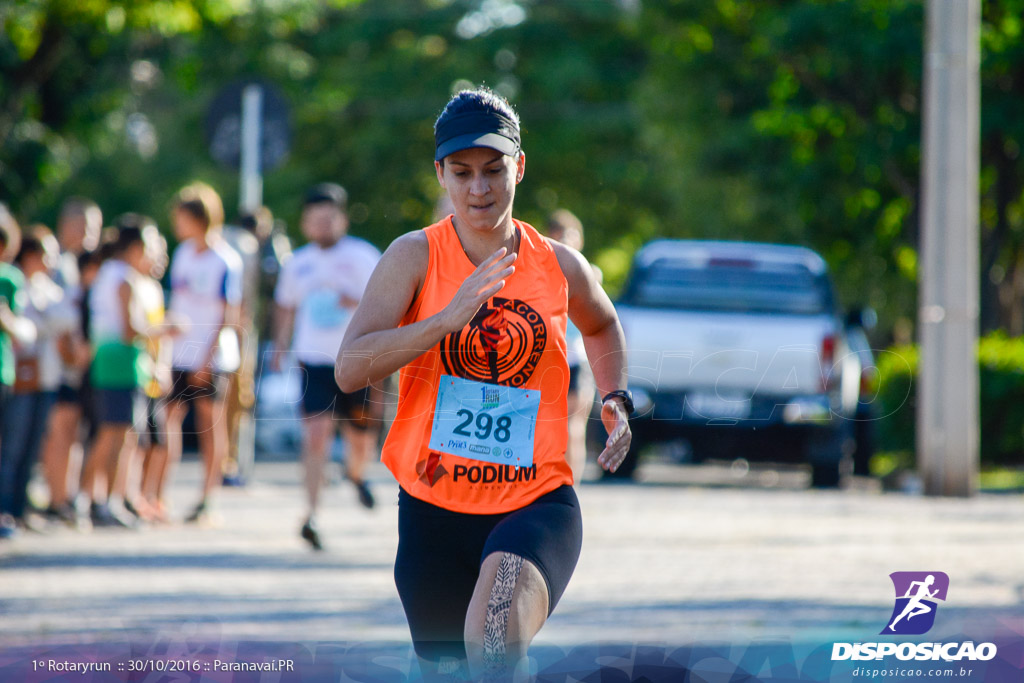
[(616, 423)]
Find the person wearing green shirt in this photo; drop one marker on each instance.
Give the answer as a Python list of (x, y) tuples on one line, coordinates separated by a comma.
[(117, 338), (13, 327)]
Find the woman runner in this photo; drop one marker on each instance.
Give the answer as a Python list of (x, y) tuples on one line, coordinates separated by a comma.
[(473, 310)]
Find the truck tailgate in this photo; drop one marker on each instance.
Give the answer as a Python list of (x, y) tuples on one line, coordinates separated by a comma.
[(733, 353)]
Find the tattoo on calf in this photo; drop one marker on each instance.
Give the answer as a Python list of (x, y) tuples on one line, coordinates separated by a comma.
[(498, 607)]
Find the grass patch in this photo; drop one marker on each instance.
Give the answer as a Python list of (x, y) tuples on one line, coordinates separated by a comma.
[(993, 480), (1001, 480), (887, 462)]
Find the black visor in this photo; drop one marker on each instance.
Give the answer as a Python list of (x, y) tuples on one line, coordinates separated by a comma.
[(476, 129)]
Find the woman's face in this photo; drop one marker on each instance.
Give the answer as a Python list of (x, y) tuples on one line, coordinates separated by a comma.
[(481, 183), (187, 226)]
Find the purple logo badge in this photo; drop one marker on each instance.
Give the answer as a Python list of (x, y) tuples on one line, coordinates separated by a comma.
[(916, 596)]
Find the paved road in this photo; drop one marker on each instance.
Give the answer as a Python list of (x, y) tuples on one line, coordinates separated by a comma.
[(686, 555)]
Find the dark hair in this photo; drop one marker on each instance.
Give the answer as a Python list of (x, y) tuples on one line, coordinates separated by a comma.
[(126, 238), (89, 258), (327, 193), (131, 228), (29, 245), (107, 248), (481, 99), (202, 202)]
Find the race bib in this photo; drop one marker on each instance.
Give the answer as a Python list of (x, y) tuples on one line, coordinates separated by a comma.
[(485, 422), (325, 309)]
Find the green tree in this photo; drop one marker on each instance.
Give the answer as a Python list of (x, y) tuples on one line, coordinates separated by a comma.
[(68, 83), (1002, 168), (740, 119), (801, 125), (366, 81), (801, 122)]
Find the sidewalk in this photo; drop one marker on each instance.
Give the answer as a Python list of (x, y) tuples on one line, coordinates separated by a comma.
[(663, 561)]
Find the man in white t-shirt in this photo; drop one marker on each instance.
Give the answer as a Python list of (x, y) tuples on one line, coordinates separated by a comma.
[(317, 292)]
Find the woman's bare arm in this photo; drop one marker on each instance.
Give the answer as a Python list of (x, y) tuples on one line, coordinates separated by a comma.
[(592, 312), (375, 346)]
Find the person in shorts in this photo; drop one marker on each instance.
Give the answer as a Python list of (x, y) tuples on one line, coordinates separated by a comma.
[(151, 424), (317, 292), (78, 233), (472, 310), (206, 293), (145, 452), (116, 333)]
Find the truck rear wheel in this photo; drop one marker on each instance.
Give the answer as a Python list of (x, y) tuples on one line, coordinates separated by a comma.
[(825, 476), (826, 451)]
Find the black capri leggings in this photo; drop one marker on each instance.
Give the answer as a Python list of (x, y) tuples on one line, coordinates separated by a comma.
[(440, 553)]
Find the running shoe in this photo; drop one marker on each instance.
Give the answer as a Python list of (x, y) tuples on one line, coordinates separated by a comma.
[(130, 508), (205, 516), (142, 508), (64, 513), (365, 496), (103, 516), (233, 480), (311, 535), (198, 512), (8, 528)]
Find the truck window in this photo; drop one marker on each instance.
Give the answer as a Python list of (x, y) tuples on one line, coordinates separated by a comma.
[(728, 286)]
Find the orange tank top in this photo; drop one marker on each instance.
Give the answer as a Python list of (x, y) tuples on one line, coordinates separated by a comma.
[(516, 340)]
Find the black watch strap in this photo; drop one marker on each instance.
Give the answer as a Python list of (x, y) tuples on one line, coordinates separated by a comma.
[(627, 399)]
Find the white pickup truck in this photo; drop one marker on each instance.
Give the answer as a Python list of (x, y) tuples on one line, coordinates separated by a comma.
[(740, 350)]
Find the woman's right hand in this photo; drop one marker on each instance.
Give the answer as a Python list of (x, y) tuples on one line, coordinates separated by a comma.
[(487, 280)]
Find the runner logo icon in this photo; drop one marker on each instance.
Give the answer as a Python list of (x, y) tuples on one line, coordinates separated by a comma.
[(913, 615), (916, 596), (501, 345)]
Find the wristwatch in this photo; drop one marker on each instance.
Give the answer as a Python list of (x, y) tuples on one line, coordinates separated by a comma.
[(627, 400)]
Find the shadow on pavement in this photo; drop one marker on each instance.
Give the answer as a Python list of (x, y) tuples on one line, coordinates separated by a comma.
[(179, 560)]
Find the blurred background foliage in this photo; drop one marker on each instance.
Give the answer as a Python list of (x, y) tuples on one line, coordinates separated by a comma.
[(767, 120), (1001, 389)]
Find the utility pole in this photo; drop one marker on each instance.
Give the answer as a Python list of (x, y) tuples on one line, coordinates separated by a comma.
[(251, 171), (947, 391)]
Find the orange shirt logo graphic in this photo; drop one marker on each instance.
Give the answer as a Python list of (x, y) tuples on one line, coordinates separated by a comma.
[(501, 345)]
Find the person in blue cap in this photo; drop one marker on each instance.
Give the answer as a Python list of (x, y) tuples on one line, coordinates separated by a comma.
[(473, 310)]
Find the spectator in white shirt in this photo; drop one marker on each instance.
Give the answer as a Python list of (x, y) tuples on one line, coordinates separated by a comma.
[(206, 292)]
